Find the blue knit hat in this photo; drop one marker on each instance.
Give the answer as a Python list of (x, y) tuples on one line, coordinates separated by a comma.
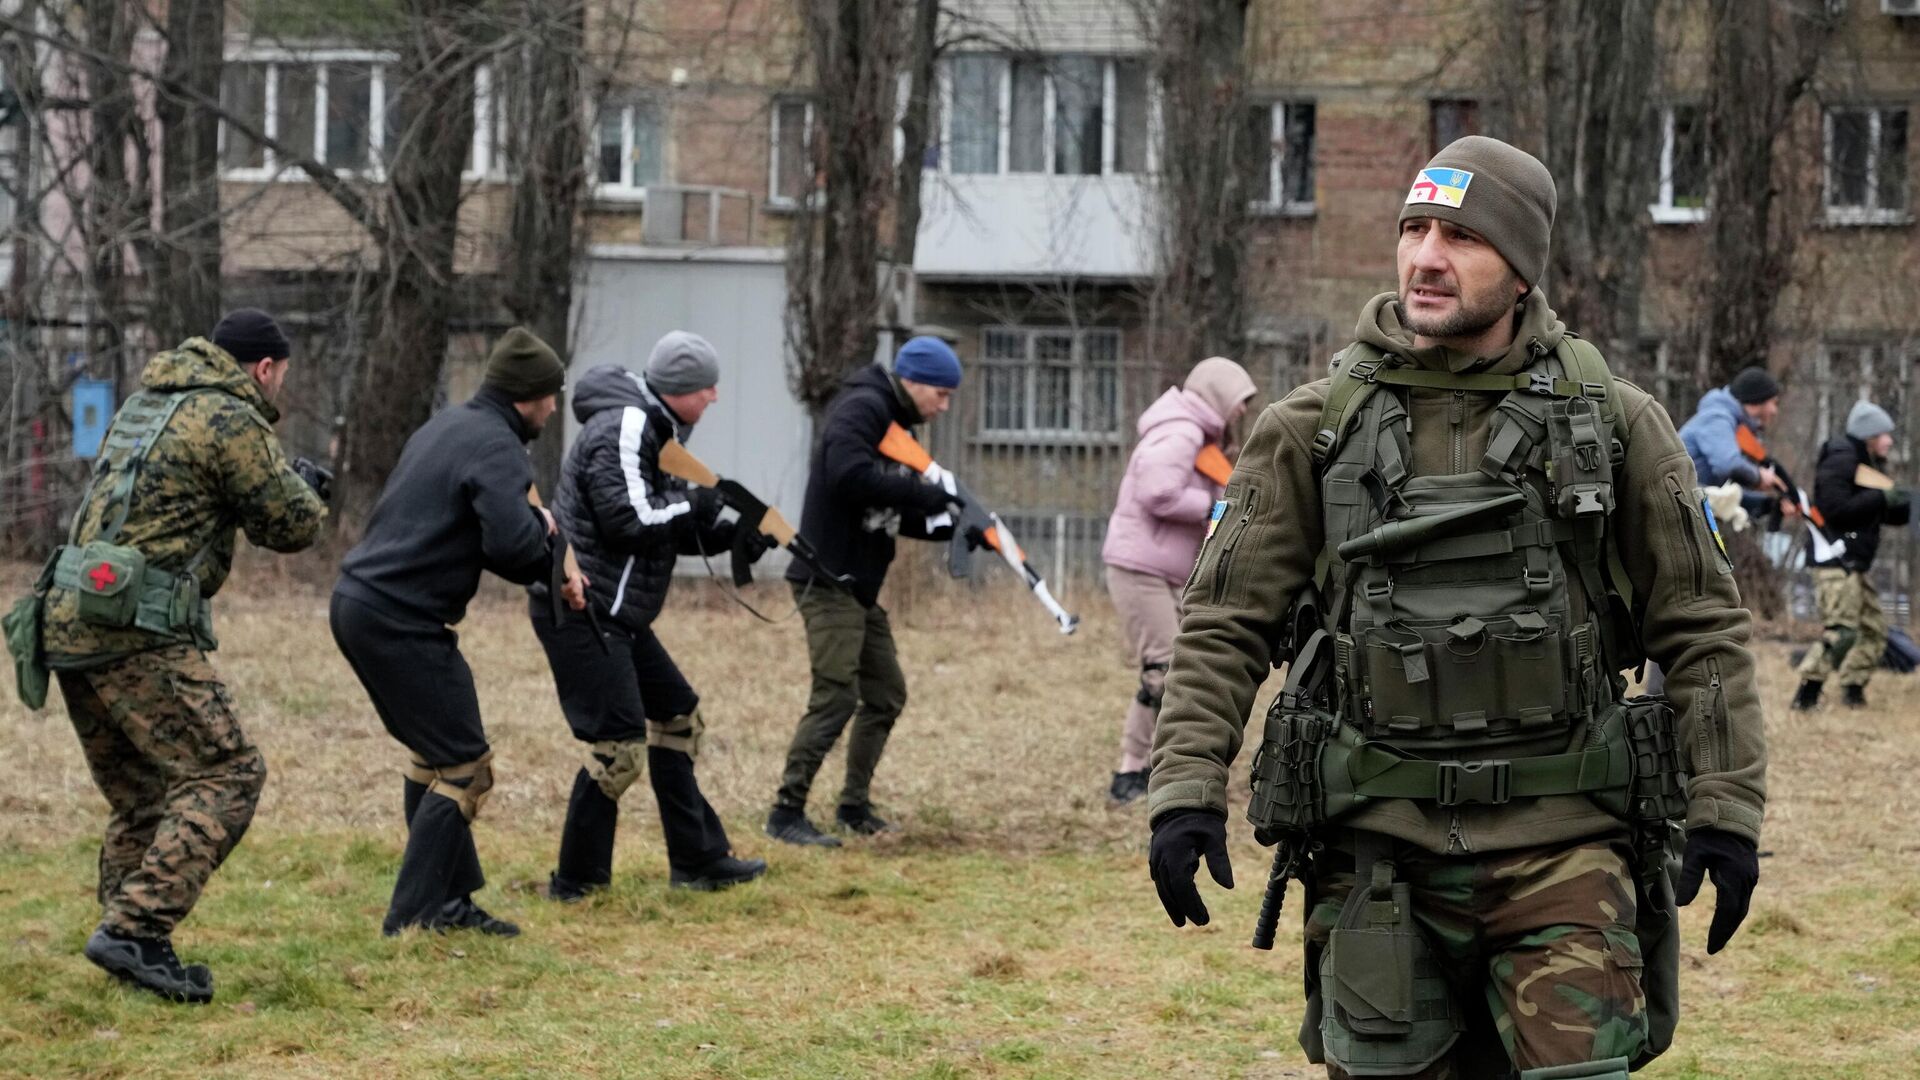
[(928, 360)]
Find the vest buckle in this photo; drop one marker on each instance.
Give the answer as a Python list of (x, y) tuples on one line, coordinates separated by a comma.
[(1474, 782)]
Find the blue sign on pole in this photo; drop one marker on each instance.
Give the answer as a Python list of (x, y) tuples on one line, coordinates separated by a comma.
[(92, 412)]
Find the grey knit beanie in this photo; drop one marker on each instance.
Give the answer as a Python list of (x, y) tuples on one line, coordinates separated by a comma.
[(1499, 191), (682, 363), (1867, 420)]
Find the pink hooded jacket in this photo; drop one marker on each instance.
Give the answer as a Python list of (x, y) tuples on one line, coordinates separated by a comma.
[(1161, 516)]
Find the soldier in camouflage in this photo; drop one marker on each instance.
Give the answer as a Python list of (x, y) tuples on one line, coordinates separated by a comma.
[(188, 458), (1488, 829)]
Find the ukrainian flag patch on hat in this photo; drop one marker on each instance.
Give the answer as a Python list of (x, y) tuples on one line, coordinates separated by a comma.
[(1441, 187)]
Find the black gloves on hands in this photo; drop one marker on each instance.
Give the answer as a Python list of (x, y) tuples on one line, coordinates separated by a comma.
[(1180, 838), (317, 478), (976, 538), (752, 543), (931, 499), (1733, 862)]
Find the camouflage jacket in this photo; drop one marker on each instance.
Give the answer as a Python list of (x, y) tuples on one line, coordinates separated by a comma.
[(215, 467)]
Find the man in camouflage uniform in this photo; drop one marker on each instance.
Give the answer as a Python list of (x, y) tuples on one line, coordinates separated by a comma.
[(1500, 901), (188, 458)]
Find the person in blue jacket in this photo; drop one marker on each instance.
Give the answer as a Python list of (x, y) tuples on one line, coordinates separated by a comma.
[(1712, 439)]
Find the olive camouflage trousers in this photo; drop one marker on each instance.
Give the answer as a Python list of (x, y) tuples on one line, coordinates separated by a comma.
[(180, 778), (1856, 628), (1543, 936)]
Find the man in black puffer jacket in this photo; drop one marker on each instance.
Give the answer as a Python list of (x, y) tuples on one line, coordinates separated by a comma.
[(622, 695), (857, 501), (1856, 626)]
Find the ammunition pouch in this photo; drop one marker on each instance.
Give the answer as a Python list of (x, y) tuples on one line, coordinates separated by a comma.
[(468, 784), (115, 588), (1386, 1007), (615, 766), (681, 733), (22, 627), (1657, 810)]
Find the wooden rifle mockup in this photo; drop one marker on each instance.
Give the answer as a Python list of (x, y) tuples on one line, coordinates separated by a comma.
[(763, 520), (565, 569)]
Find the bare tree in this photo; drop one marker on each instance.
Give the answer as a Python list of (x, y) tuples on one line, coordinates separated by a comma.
[(190, 220)]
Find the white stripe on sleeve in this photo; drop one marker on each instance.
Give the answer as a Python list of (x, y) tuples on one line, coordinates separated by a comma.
[(633, 426)]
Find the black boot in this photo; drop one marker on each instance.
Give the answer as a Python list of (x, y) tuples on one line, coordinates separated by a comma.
[(1856, 696), (861, 821), (1127, 786), (150, 964), (792, 827), (1808, 695), (722, 873), (463, 914)]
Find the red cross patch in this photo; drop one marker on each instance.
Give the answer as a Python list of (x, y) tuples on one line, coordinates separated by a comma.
[(102, 576)]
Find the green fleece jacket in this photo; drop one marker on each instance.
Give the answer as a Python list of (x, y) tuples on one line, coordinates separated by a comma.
[(1693, 623)]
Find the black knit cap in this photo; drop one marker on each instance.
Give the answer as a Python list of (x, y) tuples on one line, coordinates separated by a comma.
[(523, 367), (250, 335), (1752, 386)]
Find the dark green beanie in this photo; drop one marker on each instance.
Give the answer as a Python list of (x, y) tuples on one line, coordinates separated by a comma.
[(523, 367), (1499, 191)]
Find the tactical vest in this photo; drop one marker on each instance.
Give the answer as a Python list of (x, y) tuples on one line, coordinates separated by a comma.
[(115, 586)]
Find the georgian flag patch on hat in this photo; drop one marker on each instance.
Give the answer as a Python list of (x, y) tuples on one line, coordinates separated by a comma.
[(1441, 187)]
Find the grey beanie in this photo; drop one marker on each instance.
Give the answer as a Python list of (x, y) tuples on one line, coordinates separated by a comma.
[(1499, 191), (1867, 420), (682, 363)]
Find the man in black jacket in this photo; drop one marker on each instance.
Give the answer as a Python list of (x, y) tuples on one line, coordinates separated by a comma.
[(1856, 627), (622, 694), (456, 504), (856, 503)]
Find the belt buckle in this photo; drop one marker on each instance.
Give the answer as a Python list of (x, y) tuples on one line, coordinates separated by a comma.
[(1475, 782)]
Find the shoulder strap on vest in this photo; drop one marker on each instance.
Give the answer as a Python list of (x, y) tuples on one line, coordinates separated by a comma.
[(1355, 372), (134, 431)]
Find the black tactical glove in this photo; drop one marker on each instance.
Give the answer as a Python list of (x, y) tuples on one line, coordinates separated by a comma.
[(752, 543), (1180, 837), (1733, 862), (1899, 498), (976, 538), (931, 499), (317, 478)]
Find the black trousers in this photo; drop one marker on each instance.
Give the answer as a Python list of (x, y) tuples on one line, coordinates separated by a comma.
[(423, 690), (607, 696)]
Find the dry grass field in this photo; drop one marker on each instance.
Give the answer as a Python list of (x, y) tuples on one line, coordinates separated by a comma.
[(1009, 930)]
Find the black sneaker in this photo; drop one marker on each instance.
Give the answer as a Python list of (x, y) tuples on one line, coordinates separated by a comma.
[(464, 914), (569, 891), (861, 821), (792, 827), (722, 873), (1807, 696), (150, 964), (1127, 786), (1856, 696)]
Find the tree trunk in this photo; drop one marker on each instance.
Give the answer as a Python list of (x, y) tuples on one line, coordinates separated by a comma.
[(915, 132), (537, 279), (408, 347), (1205, 184), (187, 301), (833, 286), (1763, 60), (1601, 133), (115, 201)]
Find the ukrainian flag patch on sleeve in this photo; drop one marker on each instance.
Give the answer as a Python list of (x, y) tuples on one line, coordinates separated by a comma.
[(1213, 522)]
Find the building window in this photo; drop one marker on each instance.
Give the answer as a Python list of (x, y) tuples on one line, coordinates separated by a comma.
[(1068, 115), (1279, 159), (1449, 119), (336, 107), (1050, 383), (1866, 174), (1283, 359), (791, 174), (1682, 195), (628, 152)]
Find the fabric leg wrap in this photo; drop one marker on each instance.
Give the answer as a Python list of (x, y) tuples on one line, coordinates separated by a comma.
[(615, 766), (1153, 685), (681, 733), (1610, 1069), (471, 796)]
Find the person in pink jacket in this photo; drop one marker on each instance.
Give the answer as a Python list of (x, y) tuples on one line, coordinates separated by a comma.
[(1154, 536)]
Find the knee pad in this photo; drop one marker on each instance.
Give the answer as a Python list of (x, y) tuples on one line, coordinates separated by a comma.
[(615, 766), (446, 782), (681, 733), (1610, 1069), (1153, 685), (1839, 643)]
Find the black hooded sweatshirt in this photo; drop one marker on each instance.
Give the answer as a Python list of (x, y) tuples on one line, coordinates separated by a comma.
[(1853, 513)]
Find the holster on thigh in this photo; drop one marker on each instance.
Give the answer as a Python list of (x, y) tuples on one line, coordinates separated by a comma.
[(681, 733), (1153, 685), (1839, 641), (616, 765), (1386, 1007), (1610, 1069), (471, 795)]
